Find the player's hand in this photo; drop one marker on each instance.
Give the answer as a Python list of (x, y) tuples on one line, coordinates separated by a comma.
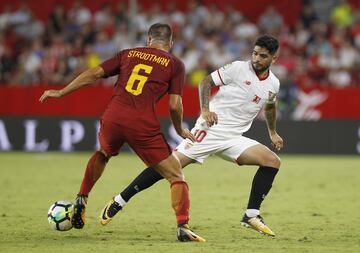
[(186, 134), (210, 118), (50, 94), (276, 141)]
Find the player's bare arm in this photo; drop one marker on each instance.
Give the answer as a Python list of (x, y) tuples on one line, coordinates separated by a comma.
[(205, 85), (270, 115), (87, 77), (176, 114)]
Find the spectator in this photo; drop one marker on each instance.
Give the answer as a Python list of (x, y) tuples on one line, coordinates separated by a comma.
[(5, 17), (191, 56), (7, 63), (340, 78), (92, 59), (355, 31), (244, 29), (101, 17), (103, 46), (271, 21), (287, 60), (341, 15), (79, 13), (177, 18), (197, 13), (121, 14), (308, 15), (122, 38), (311, 48), (199, 72), (22, 15), (57, 20), (32, 29)]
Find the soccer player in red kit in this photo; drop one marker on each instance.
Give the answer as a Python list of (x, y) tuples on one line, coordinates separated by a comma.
[(145, 74)]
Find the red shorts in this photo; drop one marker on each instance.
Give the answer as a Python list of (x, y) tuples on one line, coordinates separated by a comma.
[(152, 148)]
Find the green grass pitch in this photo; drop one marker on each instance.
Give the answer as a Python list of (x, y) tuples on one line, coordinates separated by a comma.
[(314, 206)]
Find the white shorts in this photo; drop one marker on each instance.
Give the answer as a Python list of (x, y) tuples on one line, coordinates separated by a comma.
[(211, 142)]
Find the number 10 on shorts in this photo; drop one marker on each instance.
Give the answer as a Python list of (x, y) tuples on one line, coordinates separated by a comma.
[(199, 135)]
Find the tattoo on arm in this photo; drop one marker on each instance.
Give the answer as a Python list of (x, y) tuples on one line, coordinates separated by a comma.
[(205, 92), (270, 115)]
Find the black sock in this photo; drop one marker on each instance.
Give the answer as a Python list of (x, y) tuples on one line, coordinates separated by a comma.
[(261, 186), (144, 180)]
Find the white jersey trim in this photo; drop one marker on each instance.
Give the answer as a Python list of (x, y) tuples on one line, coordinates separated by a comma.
[(217, 79)]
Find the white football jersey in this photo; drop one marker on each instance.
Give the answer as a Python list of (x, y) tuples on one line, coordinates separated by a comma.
[(240, 97)]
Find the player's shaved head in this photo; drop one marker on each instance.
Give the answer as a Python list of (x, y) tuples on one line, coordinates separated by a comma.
[(160, 33)]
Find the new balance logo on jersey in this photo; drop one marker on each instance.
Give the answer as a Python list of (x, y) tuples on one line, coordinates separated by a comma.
[(256, 99), (247, 82)]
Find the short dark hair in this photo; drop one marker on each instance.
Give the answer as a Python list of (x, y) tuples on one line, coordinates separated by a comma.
[(160, 32), (269, 42)]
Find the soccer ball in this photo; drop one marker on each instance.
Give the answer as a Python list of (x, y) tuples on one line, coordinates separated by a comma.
[(59, 215)]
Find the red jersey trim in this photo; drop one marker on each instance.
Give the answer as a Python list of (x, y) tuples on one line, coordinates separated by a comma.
[(262, 79), (220, 77)]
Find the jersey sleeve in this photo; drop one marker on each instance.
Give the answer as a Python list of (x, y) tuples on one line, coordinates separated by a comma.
[(176, 83), (223, 75), (111, 66), (273, 94)]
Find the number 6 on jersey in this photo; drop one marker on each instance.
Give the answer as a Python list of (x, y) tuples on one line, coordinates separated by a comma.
[(136, 77)]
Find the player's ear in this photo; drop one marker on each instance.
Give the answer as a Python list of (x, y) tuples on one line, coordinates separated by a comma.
[(274, 58), (171, 43)]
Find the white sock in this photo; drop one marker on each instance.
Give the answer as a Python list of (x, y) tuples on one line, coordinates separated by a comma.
[(252, 212), (120, 200)]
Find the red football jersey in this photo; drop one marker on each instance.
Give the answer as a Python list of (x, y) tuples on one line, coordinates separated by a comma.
[(144, 75)]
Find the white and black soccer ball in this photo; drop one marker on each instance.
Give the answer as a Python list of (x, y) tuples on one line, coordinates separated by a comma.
[(59, 215)]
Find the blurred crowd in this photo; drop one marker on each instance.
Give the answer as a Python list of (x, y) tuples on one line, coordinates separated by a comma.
[(313, 52)]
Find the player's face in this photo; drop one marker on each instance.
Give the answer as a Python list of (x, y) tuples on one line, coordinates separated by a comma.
[(261, 59)]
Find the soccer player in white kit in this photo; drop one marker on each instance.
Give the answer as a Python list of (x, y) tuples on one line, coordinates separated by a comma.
[(245, 87)]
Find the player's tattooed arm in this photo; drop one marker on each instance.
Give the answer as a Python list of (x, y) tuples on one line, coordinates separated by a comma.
[(205, 92), (270, 115), (204, 95)]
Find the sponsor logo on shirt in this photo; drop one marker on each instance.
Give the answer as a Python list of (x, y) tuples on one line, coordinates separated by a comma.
[(256, 99)]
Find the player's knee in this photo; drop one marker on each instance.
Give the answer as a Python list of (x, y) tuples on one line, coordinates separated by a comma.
[(105, 156), (176, 176), (272, 160), (172, 174), (277, 162)]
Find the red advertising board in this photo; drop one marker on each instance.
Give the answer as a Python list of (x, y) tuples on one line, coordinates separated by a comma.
[(328, 103), (313, 103), (89, 102)]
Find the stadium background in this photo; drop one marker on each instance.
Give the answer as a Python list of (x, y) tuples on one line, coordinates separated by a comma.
[(46, 44), (314, 204)]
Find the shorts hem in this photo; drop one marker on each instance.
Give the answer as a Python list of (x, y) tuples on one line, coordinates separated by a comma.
[(188, 156)]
